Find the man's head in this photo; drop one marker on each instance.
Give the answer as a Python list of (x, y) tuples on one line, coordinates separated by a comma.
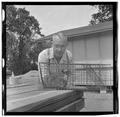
[(59, 44)]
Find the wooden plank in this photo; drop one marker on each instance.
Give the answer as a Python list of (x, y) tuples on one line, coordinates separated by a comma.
[(18, 85), (75, 106), (47, 101), (22, 89), (17, 103), (23, 95), (58, 102)]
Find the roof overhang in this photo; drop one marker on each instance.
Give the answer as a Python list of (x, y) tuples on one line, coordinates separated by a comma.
[(101, 27)]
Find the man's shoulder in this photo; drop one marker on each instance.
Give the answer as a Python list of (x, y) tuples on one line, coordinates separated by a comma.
[(69, 53), (44, 51)]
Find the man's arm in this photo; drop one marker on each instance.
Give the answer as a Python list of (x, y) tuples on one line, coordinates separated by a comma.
[(70, 69), (43, 64), (70, 57)]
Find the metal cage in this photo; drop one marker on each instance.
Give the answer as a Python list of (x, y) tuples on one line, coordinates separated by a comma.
[(77, 75)]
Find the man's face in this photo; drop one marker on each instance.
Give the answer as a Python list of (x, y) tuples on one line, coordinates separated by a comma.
[(59, 47)]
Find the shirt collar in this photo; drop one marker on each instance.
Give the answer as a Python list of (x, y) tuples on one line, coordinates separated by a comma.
[(51, 55)]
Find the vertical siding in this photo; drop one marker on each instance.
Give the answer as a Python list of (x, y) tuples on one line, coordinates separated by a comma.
[(106, 44), (79, 50), (95, 48), (92, 48)]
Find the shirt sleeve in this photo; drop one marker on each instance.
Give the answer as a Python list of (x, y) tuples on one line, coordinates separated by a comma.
[(43, 64), (70, 57), (71, 79)]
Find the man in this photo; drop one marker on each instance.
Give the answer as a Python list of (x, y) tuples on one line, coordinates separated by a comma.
[(54, 63)]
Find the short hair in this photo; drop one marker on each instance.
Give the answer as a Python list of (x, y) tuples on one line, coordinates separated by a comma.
[(60, 36)]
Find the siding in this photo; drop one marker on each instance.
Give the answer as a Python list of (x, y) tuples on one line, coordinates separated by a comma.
[(95, 48)]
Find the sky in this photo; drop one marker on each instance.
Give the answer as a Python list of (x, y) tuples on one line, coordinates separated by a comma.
[(54, 18)]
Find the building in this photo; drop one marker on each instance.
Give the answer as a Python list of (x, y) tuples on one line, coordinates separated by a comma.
[(91, 44)]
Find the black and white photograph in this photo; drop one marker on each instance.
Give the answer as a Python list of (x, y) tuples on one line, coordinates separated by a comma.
[(59, 57)]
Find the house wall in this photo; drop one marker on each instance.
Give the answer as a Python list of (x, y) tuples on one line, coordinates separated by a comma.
[(94, 48)]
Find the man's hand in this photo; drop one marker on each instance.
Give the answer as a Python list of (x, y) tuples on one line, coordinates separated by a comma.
[(57, 80), (66, 72)]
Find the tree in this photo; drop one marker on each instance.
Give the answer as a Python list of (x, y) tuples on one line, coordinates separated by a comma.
[(105, 13), (12, 48), (20, 24)]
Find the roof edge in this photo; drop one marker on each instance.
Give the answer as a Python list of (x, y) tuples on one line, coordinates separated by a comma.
[(101, 27)]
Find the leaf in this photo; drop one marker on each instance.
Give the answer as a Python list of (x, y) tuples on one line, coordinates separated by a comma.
[(105, 13)]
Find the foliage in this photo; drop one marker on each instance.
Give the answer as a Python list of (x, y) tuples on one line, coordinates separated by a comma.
[(36, 47), (19, 30), (105, 13)]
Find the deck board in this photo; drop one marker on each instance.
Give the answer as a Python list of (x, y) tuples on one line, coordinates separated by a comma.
[(31, 102)]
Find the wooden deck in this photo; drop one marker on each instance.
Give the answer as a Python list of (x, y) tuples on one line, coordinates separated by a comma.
[(33, 98)]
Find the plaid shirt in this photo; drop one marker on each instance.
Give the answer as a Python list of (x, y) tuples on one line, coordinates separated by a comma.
[(48, 64)]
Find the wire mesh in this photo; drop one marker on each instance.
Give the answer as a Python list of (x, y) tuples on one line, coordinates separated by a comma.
[(65, 76)]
